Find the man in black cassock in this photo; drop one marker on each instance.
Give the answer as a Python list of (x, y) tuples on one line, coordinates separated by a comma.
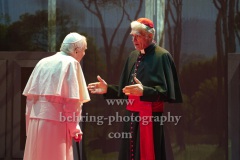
[(149, 78)]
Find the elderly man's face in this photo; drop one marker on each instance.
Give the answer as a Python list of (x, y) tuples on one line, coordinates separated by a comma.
[(140, 40)]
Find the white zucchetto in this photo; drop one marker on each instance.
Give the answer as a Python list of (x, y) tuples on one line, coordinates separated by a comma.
[(72, 38)]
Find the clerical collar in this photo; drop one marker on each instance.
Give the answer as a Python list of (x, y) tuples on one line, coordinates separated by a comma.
[(146, 50), (142, 51)]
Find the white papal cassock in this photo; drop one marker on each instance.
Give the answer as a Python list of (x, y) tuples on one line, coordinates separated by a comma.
[(55, 93)]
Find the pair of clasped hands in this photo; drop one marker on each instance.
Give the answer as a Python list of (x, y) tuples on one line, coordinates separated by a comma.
[(100, 87)]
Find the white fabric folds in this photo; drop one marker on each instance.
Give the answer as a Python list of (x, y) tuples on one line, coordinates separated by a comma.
[(55, 92), (58, 75)]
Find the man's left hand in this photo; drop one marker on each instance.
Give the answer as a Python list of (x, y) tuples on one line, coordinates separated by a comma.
[(135, 89)]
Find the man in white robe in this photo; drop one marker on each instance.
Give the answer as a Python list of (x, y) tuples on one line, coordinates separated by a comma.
[(55, 93)]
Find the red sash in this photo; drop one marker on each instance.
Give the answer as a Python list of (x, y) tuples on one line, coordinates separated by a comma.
[(145, 109)]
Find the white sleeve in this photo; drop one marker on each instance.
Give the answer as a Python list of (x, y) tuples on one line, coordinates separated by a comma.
[(72, 111)]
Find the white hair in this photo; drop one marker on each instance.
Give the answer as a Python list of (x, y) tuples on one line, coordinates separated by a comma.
[(139, 27), (70, 47)]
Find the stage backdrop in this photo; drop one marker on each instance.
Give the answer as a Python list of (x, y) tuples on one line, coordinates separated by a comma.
[(202, 36)]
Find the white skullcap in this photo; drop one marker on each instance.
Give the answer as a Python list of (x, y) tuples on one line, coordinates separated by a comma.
[(72, 38)]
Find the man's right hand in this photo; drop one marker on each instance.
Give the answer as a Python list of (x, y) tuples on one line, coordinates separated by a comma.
[(99, 87), (78, 137)]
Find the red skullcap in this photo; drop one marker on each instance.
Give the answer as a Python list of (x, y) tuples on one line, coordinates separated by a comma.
[(146, 22)]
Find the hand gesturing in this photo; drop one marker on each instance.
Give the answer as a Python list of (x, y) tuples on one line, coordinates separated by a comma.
[(99, 87)]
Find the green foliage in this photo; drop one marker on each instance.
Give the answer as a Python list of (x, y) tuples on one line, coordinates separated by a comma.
[(188, 113), (200, 152), (201, 109), (30, 33), (3, 31), (5, 18), (205, 101), (195, 72), (237, 21)]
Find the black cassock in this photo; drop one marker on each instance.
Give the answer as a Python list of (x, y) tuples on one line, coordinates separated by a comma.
[(157, 73)]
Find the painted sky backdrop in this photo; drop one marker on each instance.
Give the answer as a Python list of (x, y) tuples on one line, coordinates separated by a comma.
[(198, 21)]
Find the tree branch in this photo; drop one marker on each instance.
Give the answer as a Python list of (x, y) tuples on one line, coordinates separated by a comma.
[(118, 25), (126, 35), (215, 2), (88, 7), (171, 12)]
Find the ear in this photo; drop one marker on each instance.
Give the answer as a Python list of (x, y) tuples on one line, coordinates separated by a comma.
[(150, 36)]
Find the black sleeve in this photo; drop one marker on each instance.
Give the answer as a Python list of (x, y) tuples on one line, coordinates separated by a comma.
[(112, 92), (168, 89)]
